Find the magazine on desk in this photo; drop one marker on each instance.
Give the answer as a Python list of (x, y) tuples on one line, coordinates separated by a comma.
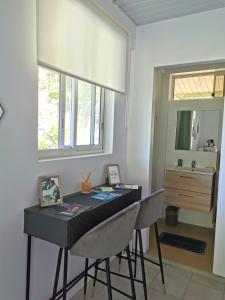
[(103, 196), (67, 209)]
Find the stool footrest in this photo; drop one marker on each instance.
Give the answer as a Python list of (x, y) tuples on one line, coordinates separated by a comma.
[(147, 259), (113, 288), (74, 281), (119, 275)]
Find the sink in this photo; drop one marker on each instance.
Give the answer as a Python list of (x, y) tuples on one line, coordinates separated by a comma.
[(190, 169), (197, 170)]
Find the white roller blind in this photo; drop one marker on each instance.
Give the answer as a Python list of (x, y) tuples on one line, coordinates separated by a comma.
[(78, 38)]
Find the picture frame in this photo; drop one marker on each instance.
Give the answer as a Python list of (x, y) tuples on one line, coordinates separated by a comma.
[(113, 173), (50, 191)]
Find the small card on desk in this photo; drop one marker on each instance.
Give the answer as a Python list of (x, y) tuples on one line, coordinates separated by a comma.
[(107, 189), (104, 189), (127, 186)]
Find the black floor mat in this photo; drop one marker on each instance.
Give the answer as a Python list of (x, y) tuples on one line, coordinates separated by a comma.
[(183, 242)]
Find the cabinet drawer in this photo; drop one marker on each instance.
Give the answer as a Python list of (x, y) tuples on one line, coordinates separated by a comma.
[(190, 200), (189, 182)]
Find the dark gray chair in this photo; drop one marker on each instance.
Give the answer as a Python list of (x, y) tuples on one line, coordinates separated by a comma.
[(106, 240)]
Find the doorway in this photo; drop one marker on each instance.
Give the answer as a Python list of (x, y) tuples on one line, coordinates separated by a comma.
[(193, 223)]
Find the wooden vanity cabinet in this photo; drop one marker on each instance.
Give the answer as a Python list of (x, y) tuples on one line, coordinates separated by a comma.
[(189, 190)]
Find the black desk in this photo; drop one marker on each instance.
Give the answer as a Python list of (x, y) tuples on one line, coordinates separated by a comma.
[(46, 224)]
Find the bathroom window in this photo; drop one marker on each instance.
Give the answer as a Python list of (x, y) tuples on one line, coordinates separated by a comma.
[(70, 113), (208, 85)]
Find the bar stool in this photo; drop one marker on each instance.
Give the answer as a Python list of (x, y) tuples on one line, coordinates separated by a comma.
[(150, 211), (106, 240)]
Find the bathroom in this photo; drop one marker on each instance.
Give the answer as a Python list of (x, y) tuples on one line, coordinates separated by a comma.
[(189, 102)]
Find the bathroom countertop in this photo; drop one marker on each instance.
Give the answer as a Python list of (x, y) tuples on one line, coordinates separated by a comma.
[(197, 170)]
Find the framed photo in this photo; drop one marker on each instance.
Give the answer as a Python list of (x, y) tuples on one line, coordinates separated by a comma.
[(50, 192), (113, 173)]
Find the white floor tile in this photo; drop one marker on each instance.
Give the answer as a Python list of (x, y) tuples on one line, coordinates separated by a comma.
[(180, 285), (157, 295), (197, 291), (176, 281), (209, 282)]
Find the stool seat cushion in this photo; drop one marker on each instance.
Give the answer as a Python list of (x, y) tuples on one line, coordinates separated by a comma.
[(150, 210), (109, 237)]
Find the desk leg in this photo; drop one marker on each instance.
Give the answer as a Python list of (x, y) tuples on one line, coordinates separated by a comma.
[(57, 273), (28, 267), (65, 272)]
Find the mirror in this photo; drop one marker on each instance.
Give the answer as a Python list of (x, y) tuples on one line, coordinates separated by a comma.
[(197, 130)]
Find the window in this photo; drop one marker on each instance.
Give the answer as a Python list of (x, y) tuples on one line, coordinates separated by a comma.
[(70, 113), (197, 86)]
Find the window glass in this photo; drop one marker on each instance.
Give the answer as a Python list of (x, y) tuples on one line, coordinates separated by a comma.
[(97, 116), (196, 87), (219, 86), (84, 113), (48, 109), (68, 130), (70, 113)]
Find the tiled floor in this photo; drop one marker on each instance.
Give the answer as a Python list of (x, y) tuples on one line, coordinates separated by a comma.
[(181, 284)]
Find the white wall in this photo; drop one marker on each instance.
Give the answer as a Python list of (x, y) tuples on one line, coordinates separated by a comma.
[(219, 257), (189, 39), (209, 128), (19, 156), (159, 130)]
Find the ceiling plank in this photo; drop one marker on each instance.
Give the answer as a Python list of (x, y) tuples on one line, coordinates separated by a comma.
[(150, 11)]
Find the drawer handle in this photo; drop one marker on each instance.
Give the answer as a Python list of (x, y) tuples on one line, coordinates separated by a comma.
[(182, 195), (186, 177)]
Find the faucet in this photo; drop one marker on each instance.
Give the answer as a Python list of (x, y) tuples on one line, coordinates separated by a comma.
[(193, 164)]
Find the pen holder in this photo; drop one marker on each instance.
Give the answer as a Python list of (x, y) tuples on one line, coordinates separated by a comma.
[(85, 187), (86, 184)]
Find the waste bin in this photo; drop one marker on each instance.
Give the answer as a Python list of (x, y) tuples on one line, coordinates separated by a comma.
[(171, 215)]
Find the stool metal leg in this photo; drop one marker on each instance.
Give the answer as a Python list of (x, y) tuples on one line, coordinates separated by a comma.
[(108, 277), (28, 267), (95, 277), (135, 251), (142, 265), (120, 260), (57, 273), (131, 273), (65, 273), (85, 276), (159, 253)]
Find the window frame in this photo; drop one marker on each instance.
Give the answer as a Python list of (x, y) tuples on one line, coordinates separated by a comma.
[(92, 146), (173, 77), (73, 148)]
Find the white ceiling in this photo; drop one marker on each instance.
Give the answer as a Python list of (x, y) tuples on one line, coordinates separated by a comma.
[(150, 11)]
